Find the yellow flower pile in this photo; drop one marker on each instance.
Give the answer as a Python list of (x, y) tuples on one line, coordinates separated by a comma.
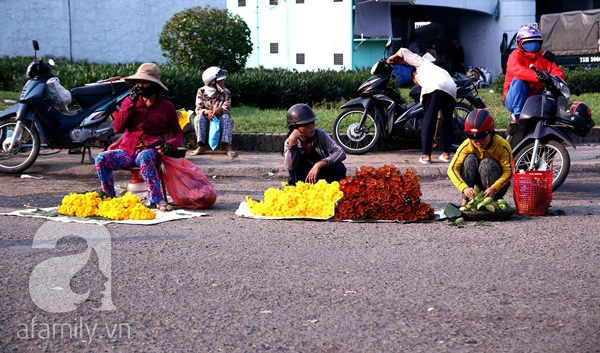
[(91, 204), (302, 200), (80, 205), (183, 118)]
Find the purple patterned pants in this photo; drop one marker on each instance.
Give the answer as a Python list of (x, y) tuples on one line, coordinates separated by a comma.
[(109, 161)]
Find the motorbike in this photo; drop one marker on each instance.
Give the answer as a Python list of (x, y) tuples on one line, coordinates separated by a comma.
[(481, 77), (545, 126), (37, 117), (381, 112)]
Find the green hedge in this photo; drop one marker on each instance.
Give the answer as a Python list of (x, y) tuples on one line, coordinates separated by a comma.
[(262, 88)]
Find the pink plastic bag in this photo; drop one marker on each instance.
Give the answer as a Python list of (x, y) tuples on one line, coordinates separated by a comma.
[(186, 183)]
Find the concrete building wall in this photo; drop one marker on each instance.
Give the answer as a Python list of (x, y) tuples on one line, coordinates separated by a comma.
[(487, 6), (125, 31), (318, 29), (481, 35), (107, 31)]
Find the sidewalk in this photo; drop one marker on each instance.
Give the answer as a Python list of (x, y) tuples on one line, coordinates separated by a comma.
[(584, 159)]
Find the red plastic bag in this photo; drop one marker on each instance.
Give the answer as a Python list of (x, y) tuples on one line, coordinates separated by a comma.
[(186, 183)]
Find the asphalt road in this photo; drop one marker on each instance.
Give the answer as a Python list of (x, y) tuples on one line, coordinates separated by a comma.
[(222, 283)]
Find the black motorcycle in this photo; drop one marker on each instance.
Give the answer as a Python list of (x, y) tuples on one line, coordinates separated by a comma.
[(380, 111), (38, 117), (545, 125)]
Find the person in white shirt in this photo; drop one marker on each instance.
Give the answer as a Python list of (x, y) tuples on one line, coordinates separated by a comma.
[(438, 94)]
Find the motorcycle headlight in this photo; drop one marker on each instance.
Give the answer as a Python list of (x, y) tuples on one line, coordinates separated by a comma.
[(374, 68), (563, 88), (30, 70)]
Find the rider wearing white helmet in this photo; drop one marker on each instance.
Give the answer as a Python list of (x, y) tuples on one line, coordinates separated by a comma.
[(213, 99)]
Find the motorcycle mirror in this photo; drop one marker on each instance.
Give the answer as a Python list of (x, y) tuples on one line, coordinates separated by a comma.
[(504, 43), (51, 62), (388, 45), (36, 47), (549, 55)]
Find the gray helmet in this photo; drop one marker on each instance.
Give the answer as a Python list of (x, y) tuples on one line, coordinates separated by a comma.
[(300, 114)]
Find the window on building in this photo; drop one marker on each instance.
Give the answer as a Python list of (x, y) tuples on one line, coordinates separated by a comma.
[(300, 59), (273, 2), (338, 59), (299, 1), (274, 48), (338, 0), (241, 3)]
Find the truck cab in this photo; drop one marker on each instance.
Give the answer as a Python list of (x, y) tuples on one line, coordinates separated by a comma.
[(506, 48)]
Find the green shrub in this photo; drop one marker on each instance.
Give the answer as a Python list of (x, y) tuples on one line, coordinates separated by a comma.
[(201, 37), (12, 72), (260, 88)]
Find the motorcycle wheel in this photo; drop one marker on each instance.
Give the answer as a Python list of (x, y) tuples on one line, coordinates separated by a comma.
[(348, 135), (26, 149), (461, 110), (549, 153)]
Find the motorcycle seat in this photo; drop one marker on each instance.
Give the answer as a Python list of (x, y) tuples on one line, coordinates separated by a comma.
[(99, 88), (415, 93), (461, 83), (90, 94)]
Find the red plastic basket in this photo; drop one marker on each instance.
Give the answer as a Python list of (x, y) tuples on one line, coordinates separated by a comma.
[(532, 192)]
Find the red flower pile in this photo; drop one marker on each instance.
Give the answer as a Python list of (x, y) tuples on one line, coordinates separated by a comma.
[(384, 194)]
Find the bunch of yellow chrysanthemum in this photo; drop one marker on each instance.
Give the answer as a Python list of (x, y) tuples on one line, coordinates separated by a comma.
[(302, 200), (126, 207), (80, 205), (91, 204)]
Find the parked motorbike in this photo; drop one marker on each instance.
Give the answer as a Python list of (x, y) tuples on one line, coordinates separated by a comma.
[(38, 117), (481, 77), (545, 126), (381, 112)]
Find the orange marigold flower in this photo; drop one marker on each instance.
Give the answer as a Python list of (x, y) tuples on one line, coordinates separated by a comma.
[(383, 193)]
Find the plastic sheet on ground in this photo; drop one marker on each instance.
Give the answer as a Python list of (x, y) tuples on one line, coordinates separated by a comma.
[(244, 211), (51, 213)]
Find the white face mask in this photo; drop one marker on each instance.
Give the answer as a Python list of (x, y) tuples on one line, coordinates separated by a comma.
[(209, 91)]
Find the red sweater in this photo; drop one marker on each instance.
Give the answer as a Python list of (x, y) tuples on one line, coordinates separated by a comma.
[(151, 125)]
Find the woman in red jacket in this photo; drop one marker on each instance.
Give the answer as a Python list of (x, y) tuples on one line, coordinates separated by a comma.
[(150, 127)]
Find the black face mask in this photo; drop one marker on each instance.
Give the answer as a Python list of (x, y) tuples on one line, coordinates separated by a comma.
[(147, 92)]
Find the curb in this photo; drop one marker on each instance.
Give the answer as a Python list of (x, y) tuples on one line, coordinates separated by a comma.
[(273, 142)]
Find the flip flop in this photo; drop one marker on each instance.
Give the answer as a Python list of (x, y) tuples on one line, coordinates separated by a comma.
[(199, 150), (446, 160), (231, 154), (162, 205), (424, 161)]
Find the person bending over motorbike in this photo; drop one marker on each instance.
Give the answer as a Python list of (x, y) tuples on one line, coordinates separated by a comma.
[(483, 159), (310, 153), (438, 93), (150, 127), (521, 81), (213, 99)]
